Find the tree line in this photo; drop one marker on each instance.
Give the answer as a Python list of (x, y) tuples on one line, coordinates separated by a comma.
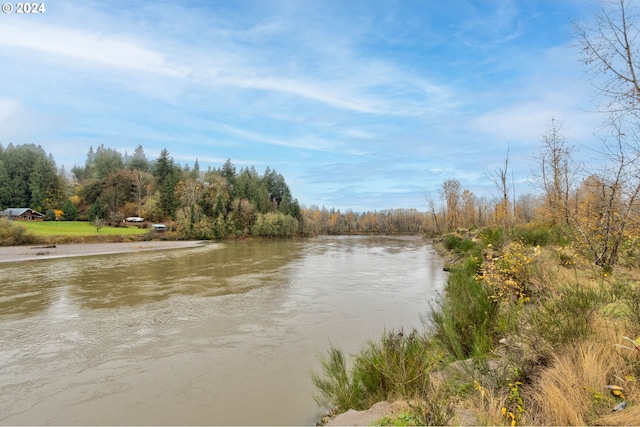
[(215, 203), (390, 221)]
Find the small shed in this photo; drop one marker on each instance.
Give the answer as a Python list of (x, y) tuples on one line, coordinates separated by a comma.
[(21, 214)]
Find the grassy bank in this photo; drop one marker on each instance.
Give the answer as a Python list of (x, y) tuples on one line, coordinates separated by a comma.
[(77, 228), (48, 232), (527, 331)]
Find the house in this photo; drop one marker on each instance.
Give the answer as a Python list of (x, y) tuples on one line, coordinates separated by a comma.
[(21, 214)]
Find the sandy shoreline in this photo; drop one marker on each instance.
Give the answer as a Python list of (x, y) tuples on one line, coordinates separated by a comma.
[(30, 253)]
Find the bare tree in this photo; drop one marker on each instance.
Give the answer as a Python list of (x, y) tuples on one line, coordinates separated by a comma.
[(557, 172), (499, 177), (608, 201), (451, 195), (606, 208), (469, 202), (432, 208), (526, 207), (141, 182), (609, 46)]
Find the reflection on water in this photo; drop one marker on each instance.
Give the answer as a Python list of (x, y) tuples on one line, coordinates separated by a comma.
[(221, 334)]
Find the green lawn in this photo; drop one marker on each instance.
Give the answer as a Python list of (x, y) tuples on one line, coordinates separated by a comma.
[(76, 228)]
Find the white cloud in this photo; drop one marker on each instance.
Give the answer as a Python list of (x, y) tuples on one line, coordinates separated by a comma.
[(88, 46), (9, 108)]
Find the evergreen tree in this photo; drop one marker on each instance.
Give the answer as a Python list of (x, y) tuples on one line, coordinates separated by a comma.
[(70, 211), (107, 161), (168, 175), (5, 189), (195, 173), (138, 160), (30, 171), (96, 211), (229, 173)]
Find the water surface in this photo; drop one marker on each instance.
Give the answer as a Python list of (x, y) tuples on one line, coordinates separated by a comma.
[(221, 334)]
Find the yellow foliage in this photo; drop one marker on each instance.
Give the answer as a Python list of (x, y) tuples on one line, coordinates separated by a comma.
[(508, 274)]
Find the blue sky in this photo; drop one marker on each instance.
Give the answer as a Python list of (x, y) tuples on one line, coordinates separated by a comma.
[(360, 104)]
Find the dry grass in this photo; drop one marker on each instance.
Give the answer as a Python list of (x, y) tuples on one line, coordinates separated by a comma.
[(572, 390), (555, 267), (486, 407), (628, 417)]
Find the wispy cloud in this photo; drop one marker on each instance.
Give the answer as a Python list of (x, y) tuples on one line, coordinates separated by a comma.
[(86, 46), (361, 102)]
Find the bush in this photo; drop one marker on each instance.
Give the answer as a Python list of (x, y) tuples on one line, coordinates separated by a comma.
[(12, 234), (274, 224), (493, 236), (338, 387), (533, 235), (398, 365), (508, 275), (568, 317), (457, 244), (116, 220), (628, 298), (461, 321)]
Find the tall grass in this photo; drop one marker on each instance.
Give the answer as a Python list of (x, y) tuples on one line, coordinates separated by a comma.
[(396, 367), (571, 391), (338, 386), (398, 364), (462, 320)]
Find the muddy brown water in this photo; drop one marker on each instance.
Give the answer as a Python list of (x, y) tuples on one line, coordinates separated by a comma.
[(221, 334)]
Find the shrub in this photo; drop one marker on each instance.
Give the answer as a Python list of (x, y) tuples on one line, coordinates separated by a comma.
[(116, 220), (451, 241), (508, 275), (12, 234), (398, 365), (568, 317), (461, 321), (533, 235), (493, 236), (458, 245), (338, 386), (274, 224), (628, 298)]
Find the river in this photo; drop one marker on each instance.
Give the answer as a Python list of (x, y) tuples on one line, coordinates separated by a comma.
[(226, 333)]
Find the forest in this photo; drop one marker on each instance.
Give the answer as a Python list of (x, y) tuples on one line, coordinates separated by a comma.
[(111, 186), (213, 204)]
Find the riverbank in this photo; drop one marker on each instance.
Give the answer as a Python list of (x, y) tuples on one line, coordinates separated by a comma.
[(38, 252), (525, 316)]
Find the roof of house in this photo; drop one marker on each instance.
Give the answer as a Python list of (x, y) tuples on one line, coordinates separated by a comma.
[(18, 212)]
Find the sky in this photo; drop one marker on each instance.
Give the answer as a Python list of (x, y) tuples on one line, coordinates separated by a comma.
[(359, 104)]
